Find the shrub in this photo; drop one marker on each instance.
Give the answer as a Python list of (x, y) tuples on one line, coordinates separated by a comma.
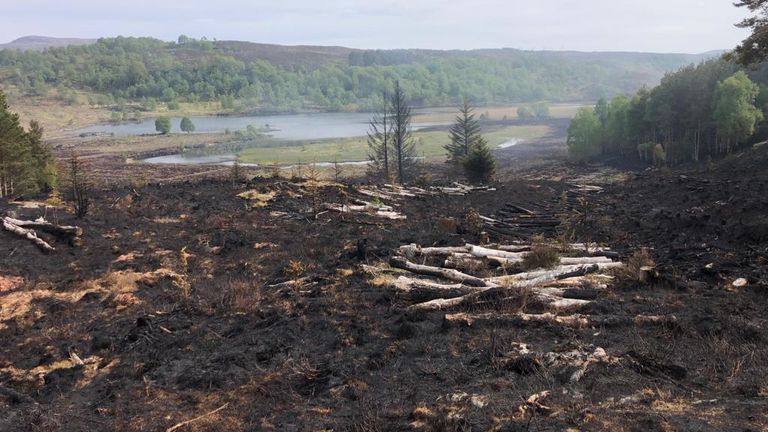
[(479, 164), (541, 256)]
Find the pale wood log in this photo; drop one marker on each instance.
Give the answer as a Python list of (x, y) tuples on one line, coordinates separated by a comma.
[(45, 226), (28, 234), (446, 303), (564, 272), (482, 252), (576, 321), (585, 260), (425, 290), (413, 250), (450, 274)]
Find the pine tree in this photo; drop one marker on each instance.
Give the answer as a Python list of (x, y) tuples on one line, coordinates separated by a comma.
[(43, 160), (379, 142), (464, 133), (403, 146), (479, 164), (16, 163)]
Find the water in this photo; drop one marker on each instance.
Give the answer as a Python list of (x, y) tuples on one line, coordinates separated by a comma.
[(292, 127), (509, 143)]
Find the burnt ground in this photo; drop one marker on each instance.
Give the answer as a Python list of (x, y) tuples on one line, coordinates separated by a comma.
[(168, 304)]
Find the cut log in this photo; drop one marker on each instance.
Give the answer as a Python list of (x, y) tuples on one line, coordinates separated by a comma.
[(444, 303), (424, 290), (450, 274), (41, 224), (585, 260), (413, 250), (28, 234), (371, 210), (463, 262), (482, 252), (575, 321), (561, 272)]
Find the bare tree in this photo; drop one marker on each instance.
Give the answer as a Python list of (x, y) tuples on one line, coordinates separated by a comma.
[(402, 141), (379, 142), (78, 183)]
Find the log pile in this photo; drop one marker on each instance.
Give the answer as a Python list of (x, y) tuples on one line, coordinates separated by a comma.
[(29, 230), (575, 282), (523, 220)]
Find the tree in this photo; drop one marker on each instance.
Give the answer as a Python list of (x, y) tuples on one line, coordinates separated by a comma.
[(479, 165), (78, 184), (380, 141), (584, 134), (541, 110), (43, 161), (464, 133), (754, 48), (163, 125), (16, 162), (187, 125), (525, 112), (735, 113), (402, 140)]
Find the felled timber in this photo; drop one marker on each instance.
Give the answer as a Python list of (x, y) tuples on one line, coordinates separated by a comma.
[(425, 290), (574, 321), (62, 231), (450, 274), (28, 234)]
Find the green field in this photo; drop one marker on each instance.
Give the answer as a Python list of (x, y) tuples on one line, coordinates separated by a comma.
[(428, 145)]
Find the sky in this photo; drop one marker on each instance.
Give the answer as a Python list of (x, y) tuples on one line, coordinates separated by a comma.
[(690, 26)]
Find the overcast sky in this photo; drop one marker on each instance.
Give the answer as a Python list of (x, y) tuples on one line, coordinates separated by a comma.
[(691, 26)]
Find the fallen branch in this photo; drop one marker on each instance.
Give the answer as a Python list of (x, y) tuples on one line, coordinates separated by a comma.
[(184, 423)]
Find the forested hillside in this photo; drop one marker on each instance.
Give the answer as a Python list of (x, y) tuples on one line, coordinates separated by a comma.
[(697, 113), (245, 76)]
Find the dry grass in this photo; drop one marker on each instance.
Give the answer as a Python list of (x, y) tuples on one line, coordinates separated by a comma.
[(633, 270), (541, 256)]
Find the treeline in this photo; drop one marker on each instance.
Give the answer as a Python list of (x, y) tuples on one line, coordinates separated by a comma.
[(699, 112), (27, 164), (119, 70)]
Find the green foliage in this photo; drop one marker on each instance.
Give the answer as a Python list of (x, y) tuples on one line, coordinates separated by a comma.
[(163, 125), (479, 165), (26, 162), (403, 145), (754, 48), (525, 112), (698, 112), (187, 125), (464, 133), (541, 110), (584, 135), (201, 70), (734, 112)]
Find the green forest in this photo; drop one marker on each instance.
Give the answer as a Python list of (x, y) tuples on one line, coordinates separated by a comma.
[(697, 113), (252, 77)]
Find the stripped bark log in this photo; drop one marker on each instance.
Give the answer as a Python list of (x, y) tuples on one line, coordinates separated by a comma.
[(562, 272), (41, 224), (446, 303), (450, 274), (28, 234), (365, 209), (413, 250), (425, 290), (575, 321), (482, 252)]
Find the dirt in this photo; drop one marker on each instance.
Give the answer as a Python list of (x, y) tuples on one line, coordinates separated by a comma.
[(169, 306)]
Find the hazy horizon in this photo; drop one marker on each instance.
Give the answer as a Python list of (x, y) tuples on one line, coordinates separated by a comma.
[(687, 26)]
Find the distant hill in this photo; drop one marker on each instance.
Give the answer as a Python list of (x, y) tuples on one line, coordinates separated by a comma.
[(247, 76), (39, 43)]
